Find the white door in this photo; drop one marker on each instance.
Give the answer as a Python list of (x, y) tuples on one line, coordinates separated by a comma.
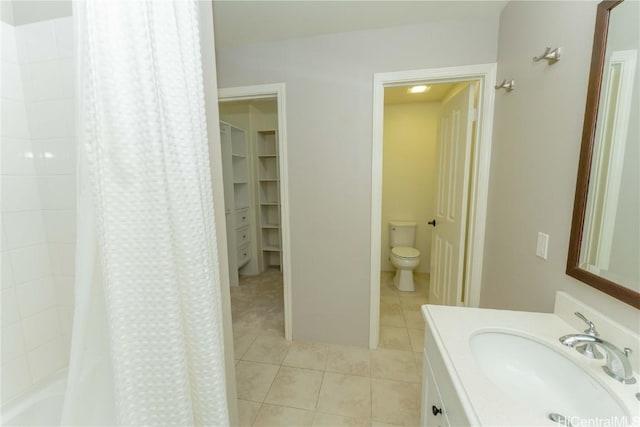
[(452, 187)]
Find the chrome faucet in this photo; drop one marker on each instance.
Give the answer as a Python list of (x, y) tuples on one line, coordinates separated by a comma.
[(617, 364), (589, 349)]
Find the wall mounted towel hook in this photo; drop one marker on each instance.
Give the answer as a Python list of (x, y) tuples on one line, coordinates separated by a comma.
[(508, 85), (552, 55)]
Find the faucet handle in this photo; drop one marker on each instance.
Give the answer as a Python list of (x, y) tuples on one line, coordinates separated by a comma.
[(592, 328), (589, 349)]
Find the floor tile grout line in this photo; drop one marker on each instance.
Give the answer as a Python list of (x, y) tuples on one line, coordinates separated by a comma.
[(248, 347), (371, 394), (395, 380), (405, 309), (320, 390), (288, 407), (253, 423), (326, 359), (264, 400)]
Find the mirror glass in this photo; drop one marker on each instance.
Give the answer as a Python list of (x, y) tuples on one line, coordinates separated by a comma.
[(610, 246)]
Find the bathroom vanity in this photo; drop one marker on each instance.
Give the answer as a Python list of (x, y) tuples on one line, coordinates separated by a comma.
[(505, 368)]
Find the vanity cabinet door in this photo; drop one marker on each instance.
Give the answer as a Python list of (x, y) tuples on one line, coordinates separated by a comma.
[(433, 414), (435, 371)]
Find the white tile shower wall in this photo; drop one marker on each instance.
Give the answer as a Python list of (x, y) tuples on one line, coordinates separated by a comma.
[(38, 201), (19, 196)]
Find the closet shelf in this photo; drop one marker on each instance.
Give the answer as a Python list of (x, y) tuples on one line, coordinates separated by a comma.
[(236, 177), (268, 175)]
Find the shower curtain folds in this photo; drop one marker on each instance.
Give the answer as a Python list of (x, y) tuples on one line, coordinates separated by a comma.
[(147, 342)]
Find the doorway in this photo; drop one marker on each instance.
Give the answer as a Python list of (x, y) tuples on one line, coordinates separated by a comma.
[(256, 205), (416, 122), (475, 180)]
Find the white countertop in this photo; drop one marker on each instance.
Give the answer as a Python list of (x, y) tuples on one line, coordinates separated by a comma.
[(484, 402)]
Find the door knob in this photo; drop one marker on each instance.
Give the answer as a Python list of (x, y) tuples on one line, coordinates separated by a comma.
[(432, 223)]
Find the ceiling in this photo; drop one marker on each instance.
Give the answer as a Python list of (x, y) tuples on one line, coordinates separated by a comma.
[(241, 22), (401, 95)]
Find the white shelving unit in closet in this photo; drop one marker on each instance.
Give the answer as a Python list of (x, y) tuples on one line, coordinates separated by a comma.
[(269, 188), (237, 197)]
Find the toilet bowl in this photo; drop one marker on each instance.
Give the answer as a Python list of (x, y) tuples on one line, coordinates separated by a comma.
[(405, 260)]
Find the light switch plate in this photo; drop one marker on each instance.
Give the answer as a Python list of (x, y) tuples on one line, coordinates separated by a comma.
[(543, 245)]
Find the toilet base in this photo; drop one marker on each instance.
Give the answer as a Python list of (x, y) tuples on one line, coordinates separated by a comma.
[(404, 280)]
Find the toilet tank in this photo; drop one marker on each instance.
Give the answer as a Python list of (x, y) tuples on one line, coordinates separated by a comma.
[(402, 233)]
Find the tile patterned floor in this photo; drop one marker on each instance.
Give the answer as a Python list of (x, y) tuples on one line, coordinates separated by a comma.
[(401, 323), (258, 303), (312, 384)]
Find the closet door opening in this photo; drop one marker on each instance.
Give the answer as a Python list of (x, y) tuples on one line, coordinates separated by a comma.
[(255, 188)]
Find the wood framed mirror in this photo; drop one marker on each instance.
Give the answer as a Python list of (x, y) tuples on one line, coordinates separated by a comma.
[(605, 231)]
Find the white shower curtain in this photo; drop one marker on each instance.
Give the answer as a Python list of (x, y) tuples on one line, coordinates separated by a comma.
[(147, 340)]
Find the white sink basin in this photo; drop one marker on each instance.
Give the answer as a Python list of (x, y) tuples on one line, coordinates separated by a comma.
[(545, 381)]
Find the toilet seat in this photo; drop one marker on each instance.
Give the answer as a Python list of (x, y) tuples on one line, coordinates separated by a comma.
[(405, 252), (405, 259)]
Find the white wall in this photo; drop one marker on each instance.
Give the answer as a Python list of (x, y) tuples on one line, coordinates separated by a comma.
[(537, 135), (235, 113), (329, 83), (408, 174), (38, 202)]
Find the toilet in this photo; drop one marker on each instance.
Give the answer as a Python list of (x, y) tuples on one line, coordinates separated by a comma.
[(404, 256)]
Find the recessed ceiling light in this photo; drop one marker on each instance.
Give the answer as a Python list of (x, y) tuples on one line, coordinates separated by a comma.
[(419, 89)]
